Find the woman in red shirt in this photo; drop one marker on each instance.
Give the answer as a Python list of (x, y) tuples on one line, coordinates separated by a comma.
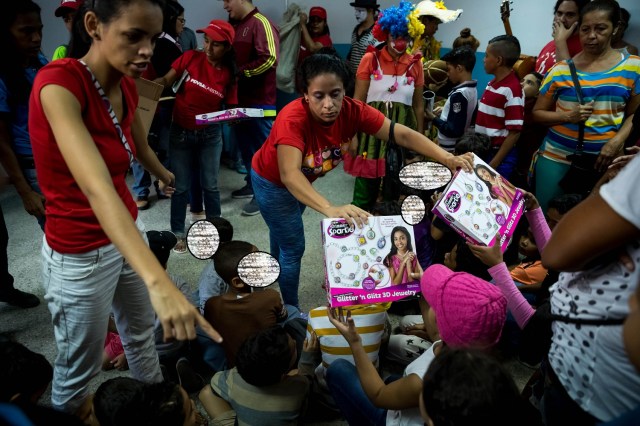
[(308, 139), (314, 35), (85, 134), (210, 84)]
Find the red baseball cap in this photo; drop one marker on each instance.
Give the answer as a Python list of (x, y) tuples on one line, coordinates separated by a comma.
[(67, 6), (319, 12), (219, 30)]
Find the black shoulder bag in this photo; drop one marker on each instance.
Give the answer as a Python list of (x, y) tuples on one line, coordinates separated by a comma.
[(582, 175), (535, 340), (394, 162)]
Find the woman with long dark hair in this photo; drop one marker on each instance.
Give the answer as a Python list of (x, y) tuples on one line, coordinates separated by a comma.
[(85, 134)]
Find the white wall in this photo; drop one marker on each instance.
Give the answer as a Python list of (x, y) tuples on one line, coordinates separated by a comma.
[(530, 20)]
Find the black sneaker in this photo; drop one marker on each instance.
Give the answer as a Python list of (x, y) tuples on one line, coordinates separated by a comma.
[(188, 378), (251, 208), (244, 192), (20, 299)]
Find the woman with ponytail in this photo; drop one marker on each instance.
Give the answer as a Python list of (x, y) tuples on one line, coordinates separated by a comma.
[(85, 135)]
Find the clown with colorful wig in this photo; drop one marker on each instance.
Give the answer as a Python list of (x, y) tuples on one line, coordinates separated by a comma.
[(390, 80)]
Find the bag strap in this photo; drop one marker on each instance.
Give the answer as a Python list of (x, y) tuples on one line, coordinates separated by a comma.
[(578, 88), (392, 138), (107, 103), (545, 311)]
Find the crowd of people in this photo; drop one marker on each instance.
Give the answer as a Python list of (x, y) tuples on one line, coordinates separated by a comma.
[(563, 296)]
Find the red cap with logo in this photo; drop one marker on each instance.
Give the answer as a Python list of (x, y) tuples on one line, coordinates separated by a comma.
[(219, 30), (67, 6)]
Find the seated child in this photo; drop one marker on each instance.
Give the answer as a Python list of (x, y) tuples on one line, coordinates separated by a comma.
[(501, 108), (529, 273), (467, 311), (210, 284), (416, 335), (127, 401), (262, 389), (24, 377), (464, 386), (459, 111), (241, 311)]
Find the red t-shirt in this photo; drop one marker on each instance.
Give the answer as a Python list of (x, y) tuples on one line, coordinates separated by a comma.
[(71, 225), (324, 39), (547, 56), (322, 146), (204, 91)]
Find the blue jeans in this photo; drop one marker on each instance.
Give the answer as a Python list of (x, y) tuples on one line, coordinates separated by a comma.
[(81, 291), (353, 402), (283, 214), (187, 146), (250, 135)]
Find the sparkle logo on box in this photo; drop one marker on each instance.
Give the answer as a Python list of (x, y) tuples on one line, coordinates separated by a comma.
[(452, 201), (340, 229)]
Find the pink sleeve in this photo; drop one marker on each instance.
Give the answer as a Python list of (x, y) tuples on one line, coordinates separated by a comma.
[(517, 304), (539, 227)]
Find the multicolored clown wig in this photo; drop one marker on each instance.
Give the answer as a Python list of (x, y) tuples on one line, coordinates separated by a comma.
[(398, 21)]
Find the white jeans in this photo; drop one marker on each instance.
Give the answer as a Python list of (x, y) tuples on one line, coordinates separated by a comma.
[(81, 291)]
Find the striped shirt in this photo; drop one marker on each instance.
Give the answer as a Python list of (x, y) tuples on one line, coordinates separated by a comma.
[(501, 109), (359, 44), (611, 90), (279, 404), (369, 320)]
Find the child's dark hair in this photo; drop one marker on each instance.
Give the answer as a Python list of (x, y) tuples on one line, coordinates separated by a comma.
[(466, 39), (477, 143), (564, 203), (539, 77), (227, 257), (467, 262), (124, 400), (610, 7), (386, 208), (106, 11), (171, 11), (11, 67), (507, 47), (265, 357), (388, 261), (319, 64), (464, 56), (23, 372), (224, 227), (466, 387)]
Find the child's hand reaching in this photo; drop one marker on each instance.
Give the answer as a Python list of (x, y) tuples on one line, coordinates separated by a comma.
[(120, 362), (490, 256), (311, 344), (346, 326), (530, 201)]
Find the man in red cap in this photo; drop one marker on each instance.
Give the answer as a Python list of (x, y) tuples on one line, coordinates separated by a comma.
[(257, 45), (314, 35), (67, 10)]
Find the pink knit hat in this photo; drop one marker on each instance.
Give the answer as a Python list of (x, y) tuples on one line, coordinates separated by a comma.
[(470, 312)]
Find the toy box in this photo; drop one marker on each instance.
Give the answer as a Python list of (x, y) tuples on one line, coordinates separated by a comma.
[(354, 260), (229, 115), (480, 204)]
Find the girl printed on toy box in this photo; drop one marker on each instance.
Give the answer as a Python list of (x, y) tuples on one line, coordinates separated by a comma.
[(402, 261)]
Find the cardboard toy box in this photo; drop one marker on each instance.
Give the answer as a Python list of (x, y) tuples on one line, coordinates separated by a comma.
[(480, 208), (148, 97), (229, 115), (354, 261)]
